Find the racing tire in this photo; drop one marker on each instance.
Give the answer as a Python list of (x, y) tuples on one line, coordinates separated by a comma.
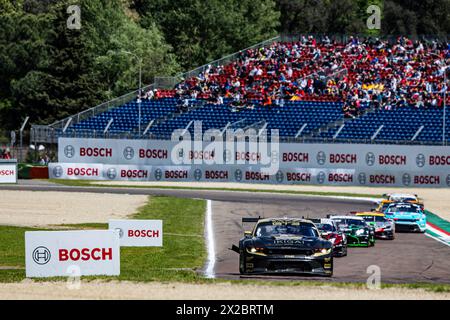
[(242, 269)]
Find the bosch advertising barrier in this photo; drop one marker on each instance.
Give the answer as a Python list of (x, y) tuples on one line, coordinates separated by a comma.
[(283, 163), (432, 159), (72, 253), (252, 174), (8, 171), (138, 233)]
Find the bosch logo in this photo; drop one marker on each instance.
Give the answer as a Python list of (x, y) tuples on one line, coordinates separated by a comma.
[(238, 175), (158, 174), (198, 174), (420, 160), (321, 177), (279, 176), (128, 153), (406, 179), (111, 173), (362, 178), (370, 159), (180, 154), (41, 255), (69, 151), (120, 232), (321, 157), (58, 171)]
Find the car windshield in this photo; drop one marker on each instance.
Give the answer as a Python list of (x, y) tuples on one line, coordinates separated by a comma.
[(368, 218), (404, 199), (268, 229), (396, 209), (350, 222), (380, 219), (325, 227)]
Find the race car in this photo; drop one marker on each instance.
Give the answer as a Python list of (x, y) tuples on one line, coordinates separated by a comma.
[(398, 197), (330, 231), (407, 216), (384, 227), (357, 231), (284, 245)]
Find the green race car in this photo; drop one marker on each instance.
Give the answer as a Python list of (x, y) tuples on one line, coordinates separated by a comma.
[(357, 231)]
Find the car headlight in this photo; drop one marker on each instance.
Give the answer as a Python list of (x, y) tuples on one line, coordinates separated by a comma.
[(255, 250), (322, 251)]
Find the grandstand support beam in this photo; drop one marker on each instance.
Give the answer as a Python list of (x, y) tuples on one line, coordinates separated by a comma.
[(108, 125), (67, 124), (225, 128), (339, 131), (417, 133), (301, 130), (445, 106), (187, 127), (377, 132), (150, 124), (262, 129)]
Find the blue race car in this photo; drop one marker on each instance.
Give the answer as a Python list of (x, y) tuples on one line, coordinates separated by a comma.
[(407, 216)]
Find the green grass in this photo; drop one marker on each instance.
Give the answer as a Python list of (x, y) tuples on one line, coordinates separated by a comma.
[(182, 255), (90, 183)]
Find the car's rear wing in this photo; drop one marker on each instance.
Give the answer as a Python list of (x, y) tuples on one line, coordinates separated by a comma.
[(250, 219)]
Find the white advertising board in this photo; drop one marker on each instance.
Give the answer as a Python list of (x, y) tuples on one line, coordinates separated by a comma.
[(253, 174), (139, 233), (287, 155), (8, 172), (66, 253), (287, 163)]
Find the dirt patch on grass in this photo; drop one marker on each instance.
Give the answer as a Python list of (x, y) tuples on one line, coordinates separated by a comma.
[(180, 291), (37, 209)]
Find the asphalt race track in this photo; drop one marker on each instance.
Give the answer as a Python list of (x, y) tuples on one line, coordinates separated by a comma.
[(410, 258)]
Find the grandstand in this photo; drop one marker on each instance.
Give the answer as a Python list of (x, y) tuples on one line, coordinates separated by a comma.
[(321, 90)]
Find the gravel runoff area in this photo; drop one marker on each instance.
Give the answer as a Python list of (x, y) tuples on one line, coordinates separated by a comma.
[(28, 289), (39, 209), (437, 200)]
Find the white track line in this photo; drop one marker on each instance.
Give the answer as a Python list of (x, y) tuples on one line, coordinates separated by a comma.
[(437, 239), (444, 236), (375, 200), (210, 242)]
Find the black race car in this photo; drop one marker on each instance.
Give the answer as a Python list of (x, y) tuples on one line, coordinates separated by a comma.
[(284, 245)]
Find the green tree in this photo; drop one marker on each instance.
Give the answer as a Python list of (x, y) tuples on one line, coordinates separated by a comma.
[(204, 30), (52, 72)]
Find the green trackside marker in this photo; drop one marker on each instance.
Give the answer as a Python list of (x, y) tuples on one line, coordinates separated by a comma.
[(438, 227), (438, 221)]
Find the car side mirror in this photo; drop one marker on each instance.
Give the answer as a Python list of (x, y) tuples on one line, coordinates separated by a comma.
[(248, 234), (235, 248)]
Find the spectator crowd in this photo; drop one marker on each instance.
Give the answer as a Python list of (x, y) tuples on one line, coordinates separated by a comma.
[(362, 73)]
